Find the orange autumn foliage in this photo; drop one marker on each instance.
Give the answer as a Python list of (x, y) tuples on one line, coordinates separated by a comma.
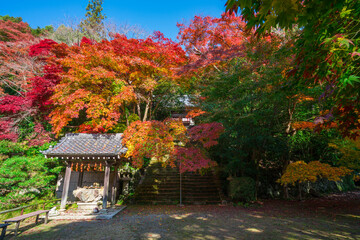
[(147, 140), (303, 125), (171, 143), (301, 97), (195, 113), (101, 79), (299, 172)]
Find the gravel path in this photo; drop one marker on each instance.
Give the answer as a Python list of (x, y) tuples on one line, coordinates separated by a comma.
[(333, 217)]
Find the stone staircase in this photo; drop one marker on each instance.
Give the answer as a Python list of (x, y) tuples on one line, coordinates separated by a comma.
[(162, 186)]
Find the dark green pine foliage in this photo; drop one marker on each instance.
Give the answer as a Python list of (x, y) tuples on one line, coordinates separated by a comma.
[(26, 176), (93, 25)]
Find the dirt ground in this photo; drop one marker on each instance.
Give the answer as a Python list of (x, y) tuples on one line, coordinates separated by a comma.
[(336, 216)]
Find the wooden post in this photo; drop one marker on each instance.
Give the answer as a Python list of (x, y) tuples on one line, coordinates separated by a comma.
[(17, 228), (64, 195), (106, 184), (46, 217), (80, 180), (115, 185)]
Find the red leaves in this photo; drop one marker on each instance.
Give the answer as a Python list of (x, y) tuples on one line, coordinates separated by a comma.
[(91, 127), (85, 40), (13, 104), (210, 40), (30, 94), (192, 159), (42, 48), (39, 136), (12, 31), (167, 142), (206, 133), (105, 78), (6, 133)]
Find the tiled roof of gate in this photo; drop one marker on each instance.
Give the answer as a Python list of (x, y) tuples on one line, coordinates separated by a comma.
[(83, 144)]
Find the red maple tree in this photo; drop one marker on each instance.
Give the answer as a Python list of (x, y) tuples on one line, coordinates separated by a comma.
[(171, 143), (106, 78), (24, 94)]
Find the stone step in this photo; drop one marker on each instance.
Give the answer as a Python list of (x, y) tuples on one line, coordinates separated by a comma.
[(177, 181), (161, 186), (188, 194), (176, 202), (177, 189), (170, 189), (173, 193), (178, 177), (178, 174), (175, 198)]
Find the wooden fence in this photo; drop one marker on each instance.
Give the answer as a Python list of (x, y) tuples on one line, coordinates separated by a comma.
[(28, 206)]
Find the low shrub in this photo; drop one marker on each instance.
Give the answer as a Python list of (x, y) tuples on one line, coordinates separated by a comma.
[(242, 189)]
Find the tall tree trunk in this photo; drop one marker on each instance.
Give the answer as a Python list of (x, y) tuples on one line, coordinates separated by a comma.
[(146, 110), (127, 119), (291, 111), (150, 111), (138, 109)]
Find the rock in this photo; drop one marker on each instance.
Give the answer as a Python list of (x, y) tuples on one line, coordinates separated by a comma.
[(88, 194), (53, 212), (30, 190), (314, 193)]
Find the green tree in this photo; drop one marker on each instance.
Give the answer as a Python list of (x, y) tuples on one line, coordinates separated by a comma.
[(10, 18), (93, 25), (327, 48), (25, 174), (265, 113)]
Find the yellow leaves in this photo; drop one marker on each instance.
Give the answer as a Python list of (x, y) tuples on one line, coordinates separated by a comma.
[(96, 107), (177, 129), (350, 150), (302, 172), (134, 75), (148, 84)]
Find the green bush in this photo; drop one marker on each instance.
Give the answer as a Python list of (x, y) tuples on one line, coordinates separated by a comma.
[(242, 188), (23, 179), (26, 176), (324, 186)]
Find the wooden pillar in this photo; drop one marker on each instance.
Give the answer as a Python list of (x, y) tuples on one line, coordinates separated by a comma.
[(80, 180), (106, 184), (115, 185), (66, 186)]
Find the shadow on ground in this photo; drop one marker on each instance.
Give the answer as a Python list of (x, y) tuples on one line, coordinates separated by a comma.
[(312, 219)]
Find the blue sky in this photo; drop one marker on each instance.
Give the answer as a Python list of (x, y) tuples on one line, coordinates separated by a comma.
[(150, 15)]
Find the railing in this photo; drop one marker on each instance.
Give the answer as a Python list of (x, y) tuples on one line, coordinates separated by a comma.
[(28, 206)]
